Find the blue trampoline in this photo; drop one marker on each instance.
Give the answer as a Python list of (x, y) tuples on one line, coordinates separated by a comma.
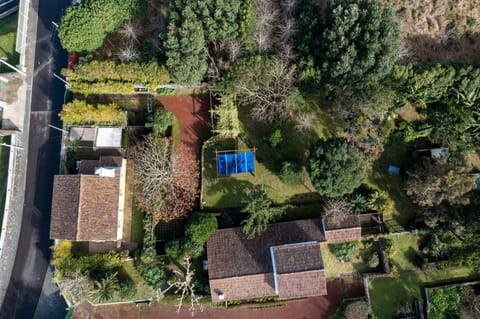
[(229, 163)]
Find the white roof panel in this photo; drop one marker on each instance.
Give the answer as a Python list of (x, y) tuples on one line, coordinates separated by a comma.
[(109, 137)]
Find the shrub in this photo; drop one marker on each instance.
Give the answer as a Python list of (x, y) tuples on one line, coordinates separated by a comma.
[(175, 249), (373, 260), (445, 303), (154, 276), (343, 251), (290, 173), (162, 120), (357, 310), (200, 226), (275, 139)]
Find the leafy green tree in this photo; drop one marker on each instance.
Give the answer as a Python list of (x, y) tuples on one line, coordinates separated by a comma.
[(110, 77), (186, 48), (336, 167), (260, 212), (454, 125), (433, 183), (83, 27), (200, 226), (359, 43), (79, 112)]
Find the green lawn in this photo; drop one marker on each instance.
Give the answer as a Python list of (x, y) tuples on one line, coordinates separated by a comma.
[(401, 210), (143, 290), (137, 225), (334, 267), (8, 35), (389, 294), (4, 157), (230, 191), (406, 251)]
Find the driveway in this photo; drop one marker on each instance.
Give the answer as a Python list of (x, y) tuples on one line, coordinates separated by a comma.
[(311, 308)]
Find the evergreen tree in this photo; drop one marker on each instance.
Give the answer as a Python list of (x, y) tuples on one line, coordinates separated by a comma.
[(186, 49), (260, 212), (360, 42), (336, 167)]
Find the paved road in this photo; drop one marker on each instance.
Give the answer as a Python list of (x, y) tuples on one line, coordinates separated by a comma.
[(33, 252)]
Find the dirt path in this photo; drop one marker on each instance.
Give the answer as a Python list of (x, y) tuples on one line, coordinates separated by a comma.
[(311, 308), (192, 112)]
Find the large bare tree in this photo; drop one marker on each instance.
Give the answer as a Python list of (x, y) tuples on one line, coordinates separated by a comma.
[(166, 180), (267, 86)]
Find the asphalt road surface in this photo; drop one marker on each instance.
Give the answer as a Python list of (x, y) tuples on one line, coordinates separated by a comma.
[(33, 252)]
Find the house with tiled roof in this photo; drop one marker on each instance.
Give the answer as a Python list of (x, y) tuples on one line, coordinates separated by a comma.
[(285, 261), (89, 206)]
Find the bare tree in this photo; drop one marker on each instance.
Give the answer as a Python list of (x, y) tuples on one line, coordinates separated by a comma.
[(266, 17), (266, 86), (305, 123), (166, 181), (130, 31), (336, 209), (185, 286), (128, 54)]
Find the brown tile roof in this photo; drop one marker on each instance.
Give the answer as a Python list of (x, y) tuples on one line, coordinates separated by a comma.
[(302, 284), (297, 258), (65, 199), (231, 254), (85, 207), (98, 209), (88, 166), (245, 287), (351, 221)]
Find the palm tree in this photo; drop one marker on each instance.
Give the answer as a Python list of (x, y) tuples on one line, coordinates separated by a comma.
[(104, 289), (378, 200)]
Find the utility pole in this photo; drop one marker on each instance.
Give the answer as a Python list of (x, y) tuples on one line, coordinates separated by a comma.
[(66, 83), (57, 128)]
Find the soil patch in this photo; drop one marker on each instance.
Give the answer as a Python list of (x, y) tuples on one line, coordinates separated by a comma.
[(192, 112), (311, 308)]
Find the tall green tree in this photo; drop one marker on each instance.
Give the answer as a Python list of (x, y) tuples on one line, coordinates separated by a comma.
[(260, 212), (186, 48), (359, 42), (83, 27), (336, 167)]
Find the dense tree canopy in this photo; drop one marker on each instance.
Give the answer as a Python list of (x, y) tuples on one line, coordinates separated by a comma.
[(359, 42), (336, 167), (80, 112), (83, 27), (432, 183)]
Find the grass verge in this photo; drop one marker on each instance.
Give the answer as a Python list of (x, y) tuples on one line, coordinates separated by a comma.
[(8, 36), (391, 293)]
